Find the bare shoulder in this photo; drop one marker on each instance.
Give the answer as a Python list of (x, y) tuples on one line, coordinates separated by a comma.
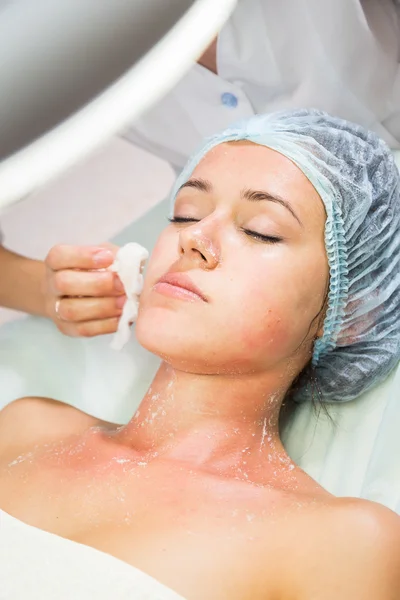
[(362, 549), (369, 522), (28, 421)]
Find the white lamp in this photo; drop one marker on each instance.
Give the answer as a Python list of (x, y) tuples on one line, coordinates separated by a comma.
[(75, 72)]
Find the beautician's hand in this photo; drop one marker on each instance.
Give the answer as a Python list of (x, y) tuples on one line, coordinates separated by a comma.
[(80, 297)]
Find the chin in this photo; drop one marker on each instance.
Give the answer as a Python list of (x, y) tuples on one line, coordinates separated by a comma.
[(169, 338), (187, 347)]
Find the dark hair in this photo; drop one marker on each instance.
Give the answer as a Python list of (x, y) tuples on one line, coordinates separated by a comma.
[(308, 379)]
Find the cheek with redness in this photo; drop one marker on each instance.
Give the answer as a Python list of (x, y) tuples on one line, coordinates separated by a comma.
[(271, 333)]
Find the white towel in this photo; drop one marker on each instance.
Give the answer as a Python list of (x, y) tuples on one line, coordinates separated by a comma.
[(38, 565)]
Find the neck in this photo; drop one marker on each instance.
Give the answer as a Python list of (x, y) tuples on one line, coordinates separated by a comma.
[(209, 419), (209, 58)]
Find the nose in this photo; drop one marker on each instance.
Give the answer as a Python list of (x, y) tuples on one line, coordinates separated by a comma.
[(198, 247)]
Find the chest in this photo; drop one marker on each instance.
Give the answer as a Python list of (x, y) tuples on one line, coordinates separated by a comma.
[(179, 526)]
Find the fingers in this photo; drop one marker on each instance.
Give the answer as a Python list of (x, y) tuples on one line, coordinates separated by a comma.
[(77, 310), (80, 257), (88, 328), (82, 296), (85, 283)]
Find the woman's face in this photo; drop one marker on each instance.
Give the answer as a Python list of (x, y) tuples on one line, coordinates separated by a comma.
[(249, 235)]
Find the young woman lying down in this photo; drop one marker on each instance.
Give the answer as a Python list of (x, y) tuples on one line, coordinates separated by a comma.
[(278, 275)]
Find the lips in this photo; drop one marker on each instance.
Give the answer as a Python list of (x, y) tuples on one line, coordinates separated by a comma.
[(182, 281)]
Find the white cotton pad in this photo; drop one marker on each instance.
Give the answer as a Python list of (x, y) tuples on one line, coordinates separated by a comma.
[(128, 265)]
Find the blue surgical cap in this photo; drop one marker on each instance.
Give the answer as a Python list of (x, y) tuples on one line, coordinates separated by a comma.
[(358, 181)]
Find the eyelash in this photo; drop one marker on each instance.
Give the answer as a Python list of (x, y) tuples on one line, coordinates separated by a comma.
[(262, 238), (182, 220), (254, 234)]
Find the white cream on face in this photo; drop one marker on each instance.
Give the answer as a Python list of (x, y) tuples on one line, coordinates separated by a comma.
[(128, 265)]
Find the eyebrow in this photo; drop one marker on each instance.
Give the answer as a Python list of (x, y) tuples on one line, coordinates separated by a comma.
[(258, 196), (252, 195), (198, 184)]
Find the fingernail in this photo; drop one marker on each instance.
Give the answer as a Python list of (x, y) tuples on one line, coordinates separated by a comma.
[(120, 301), (103, 257), (118, 285)]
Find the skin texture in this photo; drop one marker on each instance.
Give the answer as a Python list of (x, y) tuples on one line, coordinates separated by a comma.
[(197, 489), (209, 58)]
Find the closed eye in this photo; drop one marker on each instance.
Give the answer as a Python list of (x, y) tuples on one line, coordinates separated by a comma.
[(182, 220), (271, 239)]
